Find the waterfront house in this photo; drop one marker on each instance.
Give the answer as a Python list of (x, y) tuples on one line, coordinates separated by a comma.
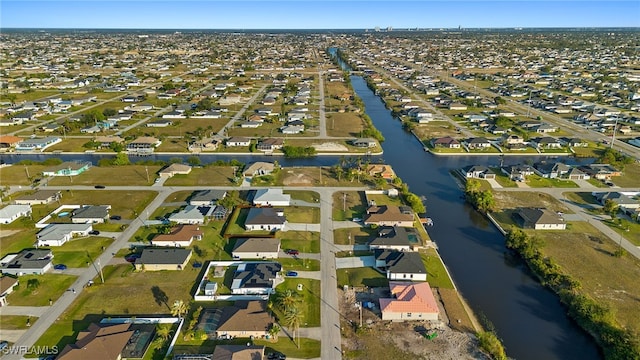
[(143, 145), (259, 168), (67, 168), (479, 172), (446, 142), (401, 265), (37, 144), (540, 219), (409, 301), (174, 169), (391, 238), (517, 172), (270, 144), (478, 143), (238, 141)]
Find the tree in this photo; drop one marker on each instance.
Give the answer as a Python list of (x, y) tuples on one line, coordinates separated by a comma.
[(109, 112), (284, 300), (121, 159), (194, 161), (292, 320), (33, 284), (610, 207), (163, 331), (274, 330), (179, 308)]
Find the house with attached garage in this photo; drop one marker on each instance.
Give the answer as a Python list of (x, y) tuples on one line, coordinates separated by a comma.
[(59, 234), (10, 213), (7, 284), (479, 172), (243, 319), (401, 265), (259, 168), (623, 200), (389, 215), (256, 278), (409, 301), (256, 248), (238, 141), (478, 143), (271, 197), (156, 259), (191, 215), (364, 142), (540, 219), (175, 169), (40, 197), (143, 145), (551, 170), (517, 172), (391, 238), (265, 219), (90, 214), (27, 262), (445, 142), (270, 144), (206, 197), (181, 235)]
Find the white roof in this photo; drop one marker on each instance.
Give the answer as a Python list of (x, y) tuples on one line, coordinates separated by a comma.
[(59, 231), (271, 196), (12, 210)]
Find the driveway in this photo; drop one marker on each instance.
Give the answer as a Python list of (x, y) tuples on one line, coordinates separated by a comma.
[(355, 262), (494, 184), (301, 227)]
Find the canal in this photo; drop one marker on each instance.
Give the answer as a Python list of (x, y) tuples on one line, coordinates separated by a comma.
[(527, 317)]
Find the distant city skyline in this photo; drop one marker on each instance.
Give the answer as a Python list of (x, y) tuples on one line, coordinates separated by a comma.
[(316, 14)]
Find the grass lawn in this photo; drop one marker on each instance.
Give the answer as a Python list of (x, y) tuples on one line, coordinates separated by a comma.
[(111, 175), (235, 226), (304, 241), (503, 179), (16, 322), (79, 252), (511, 200), (70, 144), (20, 174), (381, 199), (310, 176), (310, 299), (360, 277), (582, 198), (538, 181), (204, 176), (129, 293), (20, 239), (303, 195), (586, 255), (630, 176), (302, 214), (458, 316), (125, 203), (629, 230), (349, 206), (597, 183), (436, 274), (52, 286), (299, 264), (344, 124), (586, 151), (351, 236)]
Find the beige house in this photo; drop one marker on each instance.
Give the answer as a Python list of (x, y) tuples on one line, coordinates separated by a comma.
[(175, 169), (163, 259)]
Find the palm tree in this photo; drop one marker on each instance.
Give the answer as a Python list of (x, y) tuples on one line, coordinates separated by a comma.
[(274, 330), (179, 308), (287, 299), (163, 331), (292, 319)]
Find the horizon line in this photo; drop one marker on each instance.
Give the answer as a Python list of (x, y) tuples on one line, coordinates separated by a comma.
[(381, 29)]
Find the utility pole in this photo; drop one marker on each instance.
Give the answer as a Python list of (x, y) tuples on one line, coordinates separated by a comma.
[(320, 175), (361, 313), (613, 137), (147, 170), (26, 169), (100, 270), (344, 201)]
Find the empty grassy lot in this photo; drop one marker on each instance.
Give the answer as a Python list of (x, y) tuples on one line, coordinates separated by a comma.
[(16, 322), (77, 253), (302, 214), (349, 206), (204, 176), (18, 239), (360, 277), (344, 124), (130, 175), (299, 264), (51, 286), (630, 176), (125, 203), (20, 174), (71, 144), (310, 176), (304, 241), (538, 181), (355, 235), (303, 195)]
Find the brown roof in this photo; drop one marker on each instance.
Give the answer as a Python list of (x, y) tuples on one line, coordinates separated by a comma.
[(99, 342), (6, 282), (238, 352), (180, 233), (8, 139), (245, 316), (386, 213)]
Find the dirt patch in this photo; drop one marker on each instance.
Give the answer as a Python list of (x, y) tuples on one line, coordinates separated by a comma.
[(330, 146), (378, 339), (5, 233), (292, 179)]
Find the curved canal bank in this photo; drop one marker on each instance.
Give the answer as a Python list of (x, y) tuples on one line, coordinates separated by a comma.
[(527, 317)]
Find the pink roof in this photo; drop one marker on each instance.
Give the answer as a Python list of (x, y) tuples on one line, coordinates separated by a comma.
[(410, 297)]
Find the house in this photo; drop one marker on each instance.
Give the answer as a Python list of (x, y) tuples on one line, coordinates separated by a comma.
[(206, 197), (27, 262), (621, 199), (174, 169), (40, 197), (292, 129), (251, 124), (517, 172), (401, 265), (105, 342), (364, 142), (59, 234), (457, 106), (270, 144), (409, 301), (143, 145), (478, 143), (546, 128), (37, 144), (90, 214), (191, 214), (259, 168), (160, 123), (155, 259), (479, 172), (446, 142), (576, 174), (548, 143), (107, 141), (391, 238), (388, 215), (576, 142), (243, 319), (600, 171), (219, 213), (551, 170), (181, 235), (7, 284), (269, 219), (238, 141), (541, 219), (383, 171), (256, 248), (8, 142), (257, 278), (10, 213), (68, 168), (271, 197), (236, 352)]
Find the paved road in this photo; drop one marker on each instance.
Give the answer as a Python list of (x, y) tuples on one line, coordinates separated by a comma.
[(322, 119), (238, 115)]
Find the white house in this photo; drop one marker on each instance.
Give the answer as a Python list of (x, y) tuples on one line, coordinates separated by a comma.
[(401, 265), (10, 213), (271, 197), (189, 215), (58, 234), (36, 262), (267, 219)]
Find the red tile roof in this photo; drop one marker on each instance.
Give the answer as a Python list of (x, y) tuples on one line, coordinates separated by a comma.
[(410, 297)]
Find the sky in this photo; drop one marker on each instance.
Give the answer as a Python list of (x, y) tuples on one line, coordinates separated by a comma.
[(316, 14)]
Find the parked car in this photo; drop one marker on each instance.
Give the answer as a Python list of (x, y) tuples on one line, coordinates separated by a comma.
[(292, 252), (3, 344), (292, 273), (356, 220), (94, 232), (60, 267), (99, 186), (197, 265), (116, 217), (132, 258)]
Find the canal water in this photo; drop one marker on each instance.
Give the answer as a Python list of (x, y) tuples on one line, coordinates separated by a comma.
[(527, 317)]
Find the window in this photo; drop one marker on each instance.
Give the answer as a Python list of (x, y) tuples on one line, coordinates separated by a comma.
[(408, 315)]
